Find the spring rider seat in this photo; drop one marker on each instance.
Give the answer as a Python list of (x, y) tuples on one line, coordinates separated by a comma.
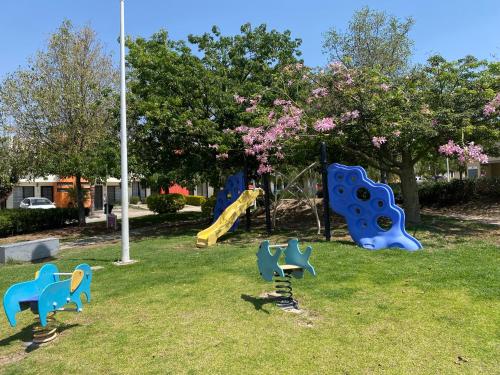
[(47, 294), (295, 264)]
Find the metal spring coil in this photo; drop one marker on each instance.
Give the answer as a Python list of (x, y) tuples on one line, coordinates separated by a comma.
[(45, 334), (283, 287)]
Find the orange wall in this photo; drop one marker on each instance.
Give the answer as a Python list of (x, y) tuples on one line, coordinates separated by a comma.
[(175, 188), (61, 198)]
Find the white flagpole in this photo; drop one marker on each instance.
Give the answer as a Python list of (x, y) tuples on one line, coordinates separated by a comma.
[(123, 135)]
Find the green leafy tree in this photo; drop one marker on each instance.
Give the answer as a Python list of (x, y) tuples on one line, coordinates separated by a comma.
[(7, 175), (61, 108), (185, 109), (372, 39)]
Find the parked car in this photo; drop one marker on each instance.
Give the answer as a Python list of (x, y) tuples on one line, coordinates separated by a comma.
[(36, 203)]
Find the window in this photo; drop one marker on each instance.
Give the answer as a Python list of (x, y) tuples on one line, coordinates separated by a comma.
[(28, 191), (40, 202)]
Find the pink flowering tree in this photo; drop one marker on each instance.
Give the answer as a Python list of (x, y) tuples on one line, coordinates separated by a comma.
[(393, 123)]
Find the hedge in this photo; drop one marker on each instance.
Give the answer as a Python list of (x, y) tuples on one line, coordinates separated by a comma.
[(135, 199), (443, 193), (207, 207), (195, 200), (18, 221), (166, 203)]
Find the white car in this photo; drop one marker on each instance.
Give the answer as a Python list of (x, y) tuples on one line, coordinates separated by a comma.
[(35, 203)]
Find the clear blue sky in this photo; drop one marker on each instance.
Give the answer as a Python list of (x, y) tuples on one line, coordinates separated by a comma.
[(453, 28)]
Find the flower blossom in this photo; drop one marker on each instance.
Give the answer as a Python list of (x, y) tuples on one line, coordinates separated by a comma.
[(264, 142), (385, 87), (378, 141), (239, 99), (469, 153), (449, 149), (281, 102), (492, 106), (324, 124), (336, 66), (319, 92), (241, 129), (264, 168), (222, 156), (347, 116), (396, 133), (189, 123)]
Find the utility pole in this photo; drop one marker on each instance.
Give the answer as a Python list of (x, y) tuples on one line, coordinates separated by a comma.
[(125, 259), (326, 193)]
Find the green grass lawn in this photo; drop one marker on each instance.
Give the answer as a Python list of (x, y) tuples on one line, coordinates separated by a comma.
[(184, 310)]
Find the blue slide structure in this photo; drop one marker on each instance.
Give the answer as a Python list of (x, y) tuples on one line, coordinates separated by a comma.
[(234, 187), (373, 218), (47, 292)]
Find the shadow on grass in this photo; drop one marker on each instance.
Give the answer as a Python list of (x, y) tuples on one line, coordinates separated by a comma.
[(258, 302), (455, 230), (26, 335), (431, 228)]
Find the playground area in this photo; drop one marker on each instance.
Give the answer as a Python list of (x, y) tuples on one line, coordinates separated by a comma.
[(322, 199), (182, 309)]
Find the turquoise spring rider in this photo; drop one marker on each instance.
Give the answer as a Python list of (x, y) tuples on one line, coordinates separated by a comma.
[(47, 293), (295, 264)]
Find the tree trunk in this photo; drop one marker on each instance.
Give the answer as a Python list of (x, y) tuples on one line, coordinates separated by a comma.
[(80, 202), (409, 189)]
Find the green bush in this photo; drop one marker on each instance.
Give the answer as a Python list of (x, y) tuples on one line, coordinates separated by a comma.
[(18, 221), (195, 200), (134, 200), (207, 207), (166, 203), (442, 193)]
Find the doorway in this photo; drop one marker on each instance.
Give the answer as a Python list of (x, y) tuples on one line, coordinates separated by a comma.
[(47, 192), (98, 201)]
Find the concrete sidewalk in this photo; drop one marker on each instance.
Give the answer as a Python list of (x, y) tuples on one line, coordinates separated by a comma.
[(133, 211)]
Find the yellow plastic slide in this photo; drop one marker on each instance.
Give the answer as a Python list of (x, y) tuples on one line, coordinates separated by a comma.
[(209, 236)]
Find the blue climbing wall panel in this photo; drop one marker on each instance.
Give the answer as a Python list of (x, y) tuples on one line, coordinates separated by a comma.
[(235, 185), (373, 218)]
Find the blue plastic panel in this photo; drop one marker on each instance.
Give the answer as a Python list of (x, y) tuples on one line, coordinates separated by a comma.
[(267, 262), (235, 185), (366, 204), (294, 256)]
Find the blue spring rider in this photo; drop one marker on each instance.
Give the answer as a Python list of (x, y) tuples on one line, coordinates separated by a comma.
[(295, 264), (47, 293), (373, 218)]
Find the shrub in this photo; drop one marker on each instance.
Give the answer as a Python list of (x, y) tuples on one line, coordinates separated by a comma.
[(165, 203), (18, 221), (442, 193), (207, 207), (134, 199), (195, 200)]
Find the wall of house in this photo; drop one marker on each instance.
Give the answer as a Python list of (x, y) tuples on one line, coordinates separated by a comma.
[(491, 170), (204, 189)]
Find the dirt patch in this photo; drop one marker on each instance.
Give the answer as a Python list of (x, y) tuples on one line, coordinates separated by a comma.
[(483, 211)]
